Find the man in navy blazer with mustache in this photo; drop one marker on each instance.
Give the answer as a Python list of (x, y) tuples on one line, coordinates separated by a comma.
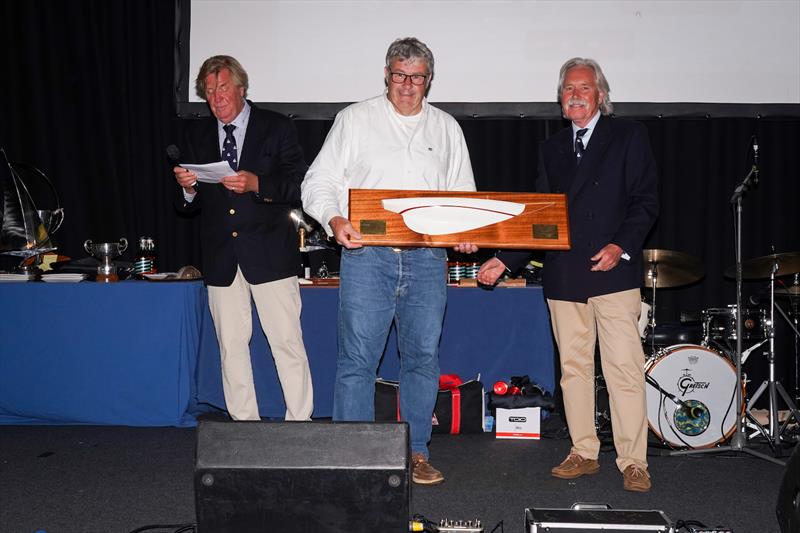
[(249, 245), (605, 167)]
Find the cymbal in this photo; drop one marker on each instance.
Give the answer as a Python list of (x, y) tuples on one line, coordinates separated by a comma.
[(791, 290), (761, 267), (670, 268)]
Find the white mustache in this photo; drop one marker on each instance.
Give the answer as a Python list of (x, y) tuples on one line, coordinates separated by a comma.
[(577, 101)]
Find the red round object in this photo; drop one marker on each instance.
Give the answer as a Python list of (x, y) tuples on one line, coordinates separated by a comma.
[(514, 391), (500, 388)]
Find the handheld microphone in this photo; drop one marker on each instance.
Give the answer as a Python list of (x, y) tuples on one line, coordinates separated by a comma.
[(297, 216), (173, 154)]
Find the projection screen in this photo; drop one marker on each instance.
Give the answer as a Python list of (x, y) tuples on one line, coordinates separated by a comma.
[(505, 53)]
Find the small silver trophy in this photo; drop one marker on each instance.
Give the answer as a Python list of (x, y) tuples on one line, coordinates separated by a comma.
[(105, 252)]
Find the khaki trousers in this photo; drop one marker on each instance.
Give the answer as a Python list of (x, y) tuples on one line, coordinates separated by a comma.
[(576, 326), (278, 304)]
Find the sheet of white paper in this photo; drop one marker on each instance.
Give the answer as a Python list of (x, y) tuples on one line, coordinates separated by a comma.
[(211, 172)]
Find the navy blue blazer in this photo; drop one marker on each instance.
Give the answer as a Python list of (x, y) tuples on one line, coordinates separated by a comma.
[(612, 197), (265, 245)]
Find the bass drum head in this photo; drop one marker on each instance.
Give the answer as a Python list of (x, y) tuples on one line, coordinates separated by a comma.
[(706, 383)]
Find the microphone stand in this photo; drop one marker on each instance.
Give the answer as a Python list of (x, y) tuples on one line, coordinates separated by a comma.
[(738, 442)]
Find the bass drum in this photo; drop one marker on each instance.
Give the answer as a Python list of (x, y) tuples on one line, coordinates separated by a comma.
[(705, 382)]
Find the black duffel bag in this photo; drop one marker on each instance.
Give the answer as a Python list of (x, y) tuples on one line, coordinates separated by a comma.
[(459, 408)]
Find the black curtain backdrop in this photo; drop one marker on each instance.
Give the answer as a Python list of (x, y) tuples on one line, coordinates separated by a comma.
[(88, 87), (89, 92)]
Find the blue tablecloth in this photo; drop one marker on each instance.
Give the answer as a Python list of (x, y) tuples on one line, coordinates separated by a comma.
[(145, 353), (497, 334), (91, 353)]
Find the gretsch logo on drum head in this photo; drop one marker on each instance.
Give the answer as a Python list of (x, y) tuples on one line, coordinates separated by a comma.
[(693, 359), (687, 383), (706, 414)]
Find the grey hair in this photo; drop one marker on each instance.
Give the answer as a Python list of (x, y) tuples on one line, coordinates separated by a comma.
[(410, 48), (606, 107), (213, 65)]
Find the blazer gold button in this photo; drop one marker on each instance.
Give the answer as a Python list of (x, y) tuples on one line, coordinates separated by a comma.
[(232, 211), (235, 233)]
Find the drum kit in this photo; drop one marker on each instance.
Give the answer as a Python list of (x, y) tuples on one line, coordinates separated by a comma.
[(695, 389)]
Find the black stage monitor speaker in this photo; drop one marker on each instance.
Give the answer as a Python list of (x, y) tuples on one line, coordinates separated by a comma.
[(788, 509), (302, 477)]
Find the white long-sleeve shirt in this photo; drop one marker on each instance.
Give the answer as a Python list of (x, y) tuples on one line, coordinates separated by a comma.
[(371, 146)]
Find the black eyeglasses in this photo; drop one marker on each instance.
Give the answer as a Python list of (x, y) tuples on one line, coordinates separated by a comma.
[(416, 79)]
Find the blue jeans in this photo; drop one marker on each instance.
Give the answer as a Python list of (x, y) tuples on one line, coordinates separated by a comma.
[(380, 286)]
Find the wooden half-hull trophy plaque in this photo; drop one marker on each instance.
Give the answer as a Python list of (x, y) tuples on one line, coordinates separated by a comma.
[(445, 218)]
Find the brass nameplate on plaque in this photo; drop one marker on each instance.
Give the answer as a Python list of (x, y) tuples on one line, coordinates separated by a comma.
[(545, 231), (372, 227), (528, 221)]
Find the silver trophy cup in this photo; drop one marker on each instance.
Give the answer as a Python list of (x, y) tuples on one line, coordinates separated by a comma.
[(105, 252)]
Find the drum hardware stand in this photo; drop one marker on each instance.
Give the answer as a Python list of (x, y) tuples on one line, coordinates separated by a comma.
[(652, 311), (795, 311), (793, 291), (738, 442), (750, 421), (788, 321), (665, 269), (601, 417), (771, 385), (748, 351)]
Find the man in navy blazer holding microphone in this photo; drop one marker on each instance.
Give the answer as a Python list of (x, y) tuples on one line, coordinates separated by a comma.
[(605, 167)]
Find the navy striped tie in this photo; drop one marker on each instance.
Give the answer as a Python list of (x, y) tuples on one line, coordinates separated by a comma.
[(229, 147), (579, 148)]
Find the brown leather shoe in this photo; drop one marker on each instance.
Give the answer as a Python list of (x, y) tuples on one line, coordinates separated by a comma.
[(575, 466), (636, 479), (422, 472)]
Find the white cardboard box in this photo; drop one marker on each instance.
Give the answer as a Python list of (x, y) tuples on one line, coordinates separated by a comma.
[(522, 423)]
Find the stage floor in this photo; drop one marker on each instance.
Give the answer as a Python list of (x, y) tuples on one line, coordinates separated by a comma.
[(93, 479)]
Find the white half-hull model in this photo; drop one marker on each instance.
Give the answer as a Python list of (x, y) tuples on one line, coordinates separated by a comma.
[(439, 215)]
